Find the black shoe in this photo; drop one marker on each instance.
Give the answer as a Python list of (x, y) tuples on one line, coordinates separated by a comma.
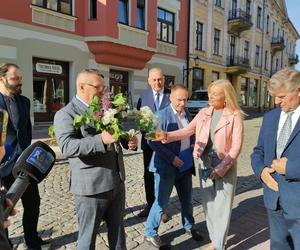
[(195, 234), (165, 217), (37, 245), (154, 241), (42, 242), (144, 212)]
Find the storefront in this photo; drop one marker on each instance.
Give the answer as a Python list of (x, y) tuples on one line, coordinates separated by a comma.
[(50, 88)]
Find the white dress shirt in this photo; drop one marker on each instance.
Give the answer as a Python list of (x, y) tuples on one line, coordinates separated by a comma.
[(283, 117)]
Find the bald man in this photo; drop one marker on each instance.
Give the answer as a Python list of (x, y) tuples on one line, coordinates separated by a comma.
[(97, 167)]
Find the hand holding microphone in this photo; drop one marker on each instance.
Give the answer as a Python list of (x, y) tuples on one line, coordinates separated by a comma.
[(32, 166)]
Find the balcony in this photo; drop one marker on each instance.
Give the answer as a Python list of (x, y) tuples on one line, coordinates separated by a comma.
[(277, 44), (238, 21), (293, 59), (237, 65)]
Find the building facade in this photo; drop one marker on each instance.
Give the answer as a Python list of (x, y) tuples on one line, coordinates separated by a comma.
[(245, 41), (53, 40)]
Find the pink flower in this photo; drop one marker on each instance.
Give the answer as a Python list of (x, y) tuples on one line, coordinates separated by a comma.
[(105, 99), (98, 115)]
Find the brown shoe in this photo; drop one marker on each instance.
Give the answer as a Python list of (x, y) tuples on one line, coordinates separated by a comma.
[(144, 212), (154, 241), (165, 217)]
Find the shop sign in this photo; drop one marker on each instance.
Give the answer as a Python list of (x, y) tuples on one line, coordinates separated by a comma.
[(49, 68)]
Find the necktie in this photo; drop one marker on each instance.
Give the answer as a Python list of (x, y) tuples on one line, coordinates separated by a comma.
[(284, 134), (157, 101)]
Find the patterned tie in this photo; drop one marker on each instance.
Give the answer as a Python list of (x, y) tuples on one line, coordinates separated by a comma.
[(157, 101), (284, 134)]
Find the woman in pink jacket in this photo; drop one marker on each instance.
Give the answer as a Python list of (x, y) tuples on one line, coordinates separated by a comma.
[(219, 137)]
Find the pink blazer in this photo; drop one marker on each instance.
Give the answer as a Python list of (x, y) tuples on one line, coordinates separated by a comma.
[(228, 136)]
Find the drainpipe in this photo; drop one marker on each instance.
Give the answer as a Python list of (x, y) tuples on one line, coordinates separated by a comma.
[(188, 46), (262, 57)]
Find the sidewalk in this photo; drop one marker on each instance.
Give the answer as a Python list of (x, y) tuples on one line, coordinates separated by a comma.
[(248, 229)]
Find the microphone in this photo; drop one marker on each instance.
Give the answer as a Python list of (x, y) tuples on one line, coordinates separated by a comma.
[(32, 166)]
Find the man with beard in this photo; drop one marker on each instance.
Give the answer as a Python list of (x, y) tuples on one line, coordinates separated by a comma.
[(19, 135)]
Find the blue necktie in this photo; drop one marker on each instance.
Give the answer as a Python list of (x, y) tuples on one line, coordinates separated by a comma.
[(284, 135), (157, 101)]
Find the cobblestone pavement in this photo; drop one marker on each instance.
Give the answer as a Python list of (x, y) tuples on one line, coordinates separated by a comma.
[(58, 219)]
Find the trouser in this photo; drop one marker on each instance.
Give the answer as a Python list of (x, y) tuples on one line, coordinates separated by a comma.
[(148, 176), (284, 230), (110, 207), (217, 197), (31, 205)]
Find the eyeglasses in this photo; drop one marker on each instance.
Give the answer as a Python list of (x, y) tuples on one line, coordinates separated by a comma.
[(14, 79)]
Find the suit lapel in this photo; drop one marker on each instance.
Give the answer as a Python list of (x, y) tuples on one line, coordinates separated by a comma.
[(272, 128), (293, 134)]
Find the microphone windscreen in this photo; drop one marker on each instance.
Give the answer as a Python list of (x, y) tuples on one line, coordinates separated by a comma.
[(37, 160)]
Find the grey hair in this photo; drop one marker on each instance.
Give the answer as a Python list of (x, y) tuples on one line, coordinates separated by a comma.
[(91, 71), (287, 77)]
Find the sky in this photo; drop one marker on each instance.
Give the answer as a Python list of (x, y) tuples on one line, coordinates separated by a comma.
[(293, 8)]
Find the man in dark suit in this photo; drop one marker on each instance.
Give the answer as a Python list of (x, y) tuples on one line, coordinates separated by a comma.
[(156, 98), (97, 167), (166, 164), (275, 160), (19, 135)]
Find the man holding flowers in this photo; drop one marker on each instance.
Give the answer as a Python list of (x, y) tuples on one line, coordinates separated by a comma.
[(96, 166)]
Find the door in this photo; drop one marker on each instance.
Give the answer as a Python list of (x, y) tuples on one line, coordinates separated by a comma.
[(48, 97)]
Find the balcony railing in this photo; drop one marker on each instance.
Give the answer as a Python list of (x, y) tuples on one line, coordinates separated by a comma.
[(239, 20), (277, 44), (237, 64), (238, 61)]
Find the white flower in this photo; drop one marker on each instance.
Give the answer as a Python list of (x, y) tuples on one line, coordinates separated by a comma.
[(146, 113), (108, 116)]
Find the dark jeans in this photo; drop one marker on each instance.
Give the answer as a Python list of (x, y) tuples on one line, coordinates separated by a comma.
[(31, 204), (148, 176)]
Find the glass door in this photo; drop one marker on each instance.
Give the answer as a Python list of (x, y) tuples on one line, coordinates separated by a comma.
[(48, 97)]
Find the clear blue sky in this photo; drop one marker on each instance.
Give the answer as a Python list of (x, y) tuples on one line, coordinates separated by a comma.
[(293, 8)]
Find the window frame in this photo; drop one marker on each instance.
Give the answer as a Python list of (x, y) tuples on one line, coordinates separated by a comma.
[(58, 8), (258, 17), (140, 9), (169, 24), (124, 11), (257, 55), (217, 41), (199, 36)]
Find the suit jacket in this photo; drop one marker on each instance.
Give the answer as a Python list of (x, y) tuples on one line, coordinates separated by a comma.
[(21, 135), (263, 155), (228, 136), (164, 154), (94, 168), (147, 99)]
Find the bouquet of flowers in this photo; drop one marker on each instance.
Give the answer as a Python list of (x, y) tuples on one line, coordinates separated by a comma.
[(109, 112)]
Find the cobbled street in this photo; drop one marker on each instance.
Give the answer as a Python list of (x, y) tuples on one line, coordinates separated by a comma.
[(58, 219)]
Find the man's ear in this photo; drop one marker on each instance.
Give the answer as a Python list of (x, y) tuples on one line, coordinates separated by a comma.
[(298, 88)]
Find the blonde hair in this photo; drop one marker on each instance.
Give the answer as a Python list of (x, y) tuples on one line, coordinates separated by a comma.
[(287, 77), (230, 95)]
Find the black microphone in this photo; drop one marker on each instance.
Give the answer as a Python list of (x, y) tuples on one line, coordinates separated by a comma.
[(32, 166)]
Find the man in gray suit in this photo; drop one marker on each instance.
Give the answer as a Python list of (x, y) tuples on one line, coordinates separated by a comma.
[(96, 167)]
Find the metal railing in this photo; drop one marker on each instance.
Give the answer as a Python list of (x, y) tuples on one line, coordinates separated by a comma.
[(239, 14), (238, 61)]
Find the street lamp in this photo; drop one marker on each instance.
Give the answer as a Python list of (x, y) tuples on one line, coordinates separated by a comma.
[(186, 71)]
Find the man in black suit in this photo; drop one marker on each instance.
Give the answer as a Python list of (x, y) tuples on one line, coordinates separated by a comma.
[(156, 98), (19, 135)]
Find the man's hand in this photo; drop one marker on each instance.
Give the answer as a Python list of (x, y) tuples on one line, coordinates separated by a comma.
[(107, 138), (133, 143), (268, 179), (214, 175), (177, 162), (280, 165), (13, 212)]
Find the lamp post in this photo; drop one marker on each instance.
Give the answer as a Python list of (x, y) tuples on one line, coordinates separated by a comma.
[(186, 71)]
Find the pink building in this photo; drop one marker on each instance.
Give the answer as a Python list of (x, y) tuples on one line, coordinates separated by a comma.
[(52, 40)]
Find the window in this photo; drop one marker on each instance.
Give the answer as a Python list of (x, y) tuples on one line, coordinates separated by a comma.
[(258, 18), (246, 50), (273, 30), (165, 26), (63, 6), (215, 76), (257, 56), (232, 47), (248, 8), (234, 5), (169, 81), (140, 14), (198, 79), (217, 42), (266, 59), (268, 22), (93, 9), (218, 3), (199, 36), (123, 11)]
